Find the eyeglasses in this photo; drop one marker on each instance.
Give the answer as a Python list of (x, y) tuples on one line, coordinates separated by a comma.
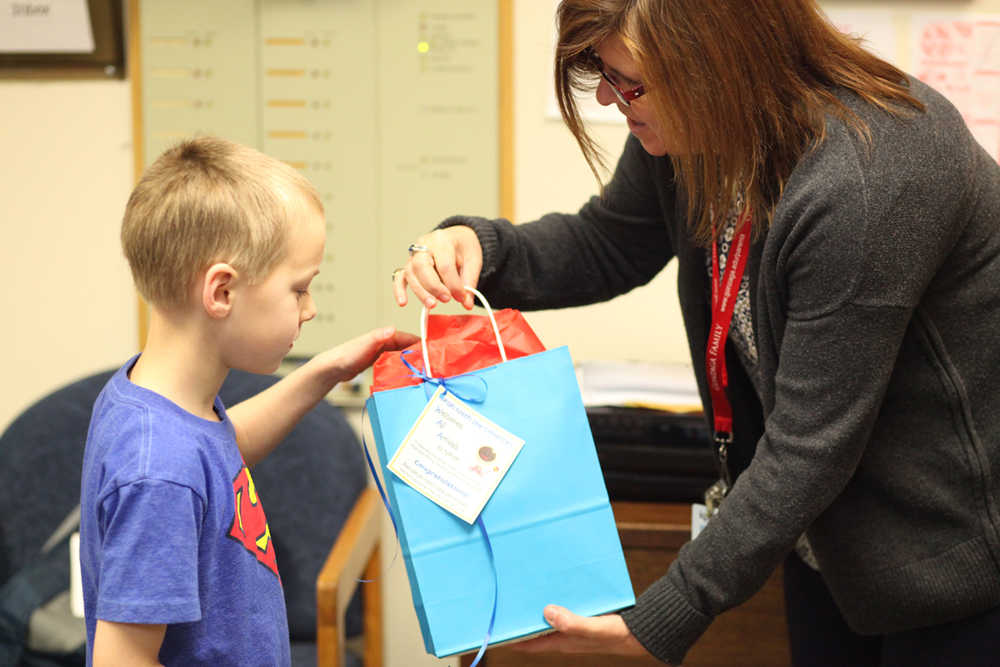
[(624, 96)]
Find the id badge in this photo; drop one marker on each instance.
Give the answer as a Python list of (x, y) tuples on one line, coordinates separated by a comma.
[(714, 496), (700, 514)]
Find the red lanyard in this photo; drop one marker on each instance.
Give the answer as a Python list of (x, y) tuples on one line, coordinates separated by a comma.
[(723, 304)]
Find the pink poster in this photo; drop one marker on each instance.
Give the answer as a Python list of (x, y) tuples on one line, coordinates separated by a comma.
[(960, 56)]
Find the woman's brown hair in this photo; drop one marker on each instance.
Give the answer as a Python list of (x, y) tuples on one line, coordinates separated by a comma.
[(747, 84)]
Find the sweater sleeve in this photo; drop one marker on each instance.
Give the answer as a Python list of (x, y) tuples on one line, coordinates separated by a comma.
[(614, 243)]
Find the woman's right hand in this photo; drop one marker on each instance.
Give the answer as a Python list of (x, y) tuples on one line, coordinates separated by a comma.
[(453, 259)]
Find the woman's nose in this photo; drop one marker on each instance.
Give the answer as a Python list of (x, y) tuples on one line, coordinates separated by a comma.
[(605, 96)]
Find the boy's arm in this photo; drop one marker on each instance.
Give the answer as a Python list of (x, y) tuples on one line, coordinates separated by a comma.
[(127, 643), (262, 421)]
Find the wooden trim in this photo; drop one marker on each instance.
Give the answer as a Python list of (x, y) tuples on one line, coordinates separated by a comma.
[(505, 19), (351, 555), (133, 66), (60, 73), (652, 525), (373, 611)]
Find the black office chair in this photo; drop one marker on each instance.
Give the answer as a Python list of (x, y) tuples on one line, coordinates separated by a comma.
[(309, 485)]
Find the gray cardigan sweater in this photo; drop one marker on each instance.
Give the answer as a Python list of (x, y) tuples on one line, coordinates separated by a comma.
[(876, 309)]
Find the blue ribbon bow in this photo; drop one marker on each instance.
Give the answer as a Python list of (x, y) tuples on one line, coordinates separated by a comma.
[(464, 386)]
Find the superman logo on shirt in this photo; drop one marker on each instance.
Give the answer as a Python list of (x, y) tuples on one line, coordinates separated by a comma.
[(249, 523)]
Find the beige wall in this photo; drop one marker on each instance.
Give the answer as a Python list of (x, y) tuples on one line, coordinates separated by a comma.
[(551, 175), (67, 298)]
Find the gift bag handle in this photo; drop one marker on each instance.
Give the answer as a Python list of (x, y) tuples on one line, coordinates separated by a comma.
[(423, 330)]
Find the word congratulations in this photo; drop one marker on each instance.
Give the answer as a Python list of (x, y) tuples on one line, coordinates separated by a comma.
[(433, 473)]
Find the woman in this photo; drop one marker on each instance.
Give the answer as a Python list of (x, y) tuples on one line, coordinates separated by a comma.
[(837, 231)]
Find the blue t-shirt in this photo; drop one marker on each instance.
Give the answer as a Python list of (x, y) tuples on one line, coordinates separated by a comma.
[(172, 531)]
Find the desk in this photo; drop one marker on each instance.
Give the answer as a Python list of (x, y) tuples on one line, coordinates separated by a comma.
[(651, 533)]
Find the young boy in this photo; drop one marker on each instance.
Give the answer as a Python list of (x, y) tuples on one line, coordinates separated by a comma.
[(223, 243)]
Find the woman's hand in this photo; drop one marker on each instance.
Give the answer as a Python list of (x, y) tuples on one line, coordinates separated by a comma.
[(606, 635), (453, 259)]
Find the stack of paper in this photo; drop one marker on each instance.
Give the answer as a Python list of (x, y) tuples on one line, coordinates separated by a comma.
[(660, 386)]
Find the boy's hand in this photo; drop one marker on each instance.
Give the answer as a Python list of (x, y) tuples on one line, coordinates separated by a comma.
[(262, 421), (350, 358)]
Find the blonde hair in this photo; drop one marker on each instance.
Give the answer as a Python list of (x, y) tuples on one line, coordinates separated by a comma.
[(747, 85), (209, 200)]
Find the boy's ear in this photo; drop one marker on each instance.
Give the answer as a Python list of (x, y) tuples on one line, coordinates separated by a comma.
[(217, 290)]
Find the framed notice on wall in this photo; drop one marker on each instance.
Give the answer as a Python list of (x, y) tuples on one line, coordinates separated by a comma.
[(61, 38)]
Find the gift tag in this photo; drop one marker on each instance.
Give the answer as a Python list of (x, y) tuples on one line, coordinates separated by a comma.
[(455, 456)]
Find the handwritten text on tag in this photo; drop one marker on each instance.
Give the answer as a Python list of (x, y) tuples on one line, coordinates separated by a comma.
[(455, 456)]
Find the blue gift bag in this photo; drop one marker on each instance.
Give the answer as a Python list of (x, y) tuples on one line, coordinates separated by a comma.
[(549, 522)]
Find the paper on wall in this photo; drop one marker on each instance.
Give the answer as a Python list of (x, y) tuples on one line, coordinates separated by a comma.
[(959, 55), (52, 26)]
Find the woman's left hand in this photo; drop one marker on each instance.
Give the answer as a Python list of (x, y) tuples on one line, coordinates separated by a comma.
[(606, 634)]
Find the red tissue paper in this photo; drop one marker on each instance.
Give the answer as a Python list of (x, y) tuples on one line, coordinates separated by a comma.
[(457, 344)]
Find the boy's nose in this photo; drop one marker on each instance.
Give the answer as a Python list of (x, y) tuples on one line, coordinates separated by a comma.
[(309, 310)]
